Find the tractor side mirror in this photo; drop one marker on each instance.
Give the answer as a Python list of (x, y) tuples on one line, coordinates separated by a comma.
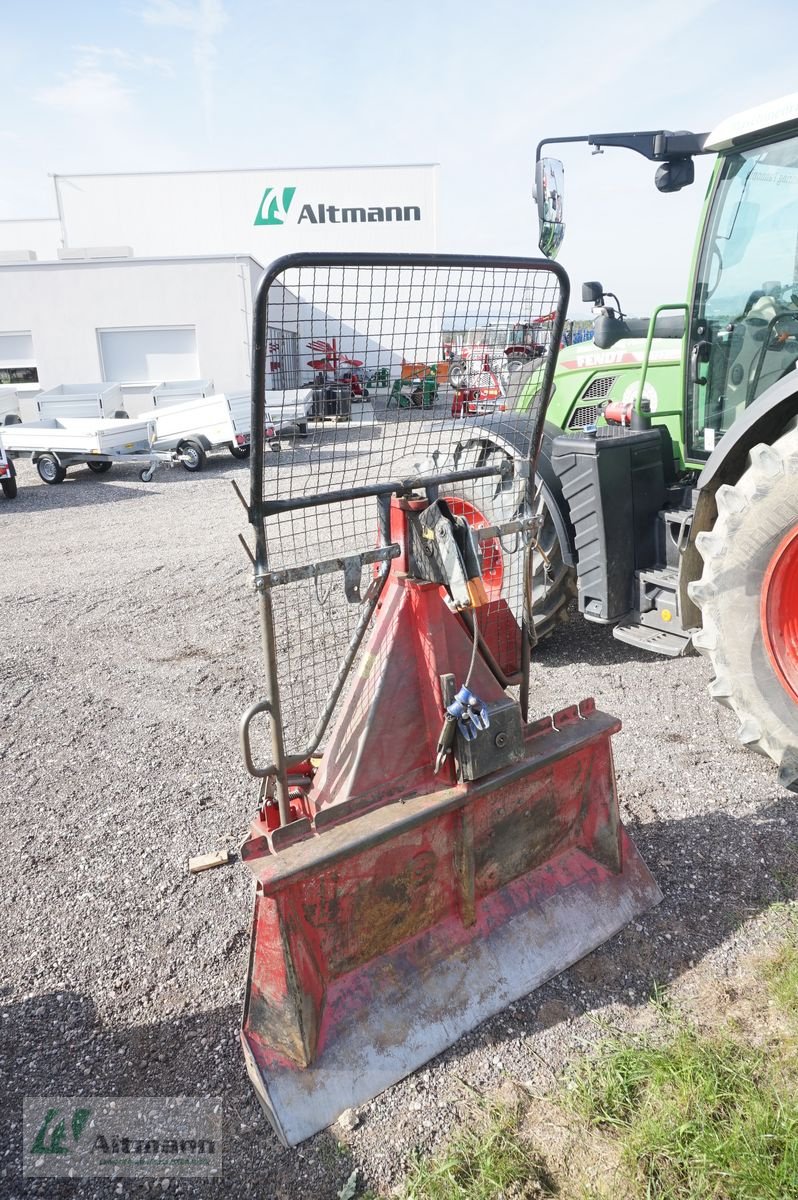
[(673, 176), (592, 293), (608, 329), (549, 183)]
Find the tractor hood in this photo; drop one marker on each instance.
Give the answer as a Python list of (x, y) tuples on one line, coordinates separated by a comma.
[(629, 351)]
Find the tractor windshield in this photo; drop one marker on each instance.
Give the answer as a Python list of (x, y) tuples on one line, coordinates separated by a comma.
[(744, 332)]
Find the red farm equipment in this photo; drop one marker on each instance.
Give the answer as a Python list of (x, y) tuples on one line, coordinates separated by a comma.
[(528, 340), (423, 852)]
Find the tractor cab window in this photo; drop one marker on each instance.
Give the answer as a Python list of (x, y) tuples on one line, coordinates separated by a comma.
[(744, 334)]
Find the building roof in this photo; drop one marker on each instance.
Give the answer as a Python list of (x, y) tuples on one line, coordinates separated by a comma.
[(125, 260)]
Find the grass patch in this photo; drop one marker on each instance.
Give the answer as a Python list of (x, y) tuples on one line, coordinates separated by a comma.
[(699, 1118), (487, 1162), (781, 974)]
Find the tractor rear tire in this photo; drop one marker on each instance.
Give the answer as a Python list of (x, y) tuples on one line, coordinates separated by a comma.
[(553, 582), (748, 597)]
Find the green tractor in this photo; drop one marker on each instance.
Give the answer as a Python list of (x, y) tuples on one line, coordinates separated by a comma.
[(670, 461)]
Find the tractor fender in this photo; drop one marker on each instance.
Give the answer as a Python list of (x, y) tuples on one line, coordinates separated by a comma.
[(762, 421), (555, 501), (512, 434)]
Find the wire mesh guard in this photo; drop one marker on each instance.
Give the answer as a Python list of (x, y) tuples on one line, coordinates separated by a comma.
[(404, 366)]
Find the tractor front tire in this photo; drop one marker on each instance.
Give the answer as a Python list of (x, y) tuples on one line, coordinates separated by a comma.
[(748, 597)]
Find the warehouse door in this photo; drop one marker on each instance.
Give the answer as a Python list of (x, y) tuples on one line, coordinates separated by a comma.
[(156, 355), (282, 361)]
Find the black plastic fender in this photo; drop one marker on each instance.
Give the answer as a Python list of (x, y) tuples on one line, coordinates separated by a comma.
[(552, 494)]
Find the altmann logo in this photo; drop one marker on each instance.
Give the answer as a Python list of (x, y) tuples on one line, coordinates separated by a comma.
[(52, 1137), (276, 202), (274, 206), (121, 1136)]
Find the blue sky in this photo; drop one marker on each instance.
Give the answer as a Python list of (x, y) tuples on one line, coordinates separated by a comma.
[(176, 84)]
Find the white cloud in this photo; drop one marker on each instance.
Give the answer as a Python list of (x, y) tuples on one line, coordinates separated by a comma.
[(96, 83), (93, 56), (204, 20), (87, 89)]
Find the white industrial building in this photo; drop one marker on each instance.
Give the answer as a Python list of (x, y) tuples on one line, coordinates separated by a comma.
[(151, 277), (130, 321)]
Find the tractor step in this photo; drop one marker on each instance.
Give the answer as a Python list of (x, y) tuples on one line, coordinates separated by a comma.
[(663, 576), (673, 533), (658, 641)]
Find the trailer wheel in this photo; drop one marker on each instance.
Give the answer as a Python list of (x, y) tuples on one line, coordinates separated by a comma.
[(748, 596), (9, 487), (193, 455), (50, 470), (145, 475), (240, 451), (99, 468)]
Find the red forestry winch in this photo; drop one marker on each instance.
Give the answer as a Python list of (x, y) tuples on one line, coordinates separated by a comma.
[(438, 856)]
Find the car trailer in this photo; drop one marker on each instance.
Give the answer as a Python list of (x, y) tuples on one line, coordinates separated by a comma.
[(9, 406), (8, 476), (57, 444), (85, 400), (196, 427)]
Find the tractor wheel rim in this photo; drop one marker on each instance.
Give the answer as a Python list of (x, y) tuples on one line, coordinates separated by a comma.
[(492, 557), (779, 612)]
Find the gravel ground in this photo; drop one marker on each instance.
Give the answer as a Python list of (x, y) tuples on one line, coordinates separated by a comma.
[(130, 648)]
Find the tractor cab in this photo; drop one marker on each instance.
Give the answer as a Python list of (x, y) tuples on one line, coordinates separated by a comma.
[(744, 319)]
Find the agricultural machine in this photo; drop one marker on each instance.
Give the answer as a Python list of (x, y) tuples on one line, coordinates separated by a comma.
[(670, 458), (338, 379), (418, 389), (425, 848), (528, 340)]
